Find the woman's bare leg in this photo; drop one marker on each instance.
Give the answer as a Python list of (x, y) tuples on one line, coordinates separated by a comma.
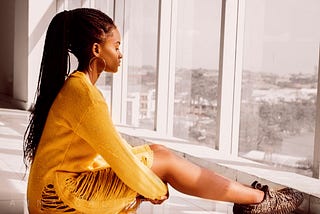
[(191, 179)]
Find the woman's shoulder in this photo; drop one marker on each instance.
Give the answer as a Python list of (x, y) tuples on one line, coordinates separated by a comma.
[(74, 100), (77, 85), (77, 90), (77, 78)]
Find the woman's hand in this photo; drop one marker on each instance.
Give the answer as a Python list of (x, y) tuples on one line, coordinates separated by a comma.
[(153, 201), (158, 201)]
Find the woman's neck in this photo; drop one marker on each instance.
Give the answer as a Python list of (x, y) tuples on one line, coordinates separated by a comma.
[(92, 75)]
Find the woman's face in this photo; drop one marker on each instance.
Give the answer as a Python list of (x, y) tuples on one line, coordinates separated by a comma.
[(110, 51)]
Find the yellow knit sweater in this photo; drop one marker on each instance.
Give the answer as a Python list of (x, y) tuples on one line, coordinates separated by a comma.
[(82, 165)]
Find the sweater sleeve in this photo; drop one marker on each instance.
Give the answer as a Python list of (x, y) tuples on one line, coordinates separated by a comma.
[(96, 128)]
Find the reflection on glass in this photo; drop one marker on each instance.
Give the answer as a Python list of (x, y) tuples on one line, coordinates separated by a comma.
[(279, 83), (196, 75), (142, 31)]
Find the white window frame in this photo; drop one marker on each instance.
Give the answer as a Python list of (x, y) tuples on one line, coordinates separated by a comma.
[(230, 75), (166, 67), (120, 79), (230, 72), (316, 156), (227, 79)]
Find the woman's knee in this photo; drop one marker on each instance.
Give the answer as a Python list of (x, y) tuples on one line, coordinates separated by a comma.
[(156, 147), (162, 160), (161, 151)]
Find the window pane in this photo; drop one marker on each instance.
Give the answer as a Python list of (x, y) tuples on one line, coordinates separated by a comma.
[(196, 77), (106, 6), (72, 4), (142, 31), (279, 83), (104, 82)]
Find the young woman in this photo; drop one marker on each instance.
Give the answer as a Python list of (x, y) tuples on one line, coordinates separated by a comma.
[(80, 163)]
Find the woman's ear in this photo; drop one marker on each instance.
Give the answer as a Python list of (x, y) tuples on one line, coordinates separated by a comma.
[(96, 49)]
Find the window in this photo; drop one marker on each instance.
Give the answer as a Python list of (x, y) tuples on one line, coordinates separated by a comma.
[(141, 26), (279, 83), (196, 74), (278, 60)]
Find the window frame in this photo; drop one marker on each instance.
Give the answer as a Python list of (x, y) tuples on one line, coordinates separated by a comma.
[(230, 75), (316, 156)]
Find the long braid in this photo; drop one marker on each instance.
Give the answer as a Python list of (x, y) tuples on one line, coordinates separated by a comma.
[(75, 31)]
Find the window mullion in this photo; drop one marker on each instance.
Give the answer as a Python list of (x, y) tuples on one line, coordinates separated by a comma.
[(162, 97), (119, 86), (316, 154), (238, 77), (172, 65), (227, 75)]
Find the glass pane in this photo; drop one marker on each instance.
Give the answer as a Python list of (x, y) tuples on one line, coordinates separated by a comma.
[(106, 6), (196, 76), (104, 82), (279, 83), (72, 4), (142, 34)]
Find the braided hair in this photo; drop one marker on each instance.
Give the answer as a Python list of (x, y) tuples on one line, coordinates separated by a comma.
[(72, 31)]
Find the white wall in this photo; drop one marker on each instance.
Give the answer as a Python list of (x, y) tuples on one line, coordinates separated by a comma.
[(20, 57), (40, 15), (6, 44), (27, 22)]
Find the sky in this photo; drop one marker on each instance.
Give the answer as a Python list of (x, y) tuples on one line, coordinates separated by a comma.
[(281, 36)]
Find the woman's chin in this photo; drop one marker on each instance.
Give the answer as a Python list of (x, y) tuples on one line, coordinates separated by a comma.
[(111, 71)]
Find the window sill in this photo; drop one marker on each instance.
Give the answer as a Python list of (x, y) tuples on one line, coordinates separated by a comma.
[(236, 168)]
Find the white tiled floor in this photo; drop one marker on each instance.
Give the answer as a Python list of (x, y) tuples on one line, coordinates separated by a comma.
[(12, 170), (13, 182)]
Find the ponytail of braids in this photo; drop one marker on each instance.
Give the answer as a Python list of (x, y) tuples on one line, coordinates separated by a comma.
[(53, 71)]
